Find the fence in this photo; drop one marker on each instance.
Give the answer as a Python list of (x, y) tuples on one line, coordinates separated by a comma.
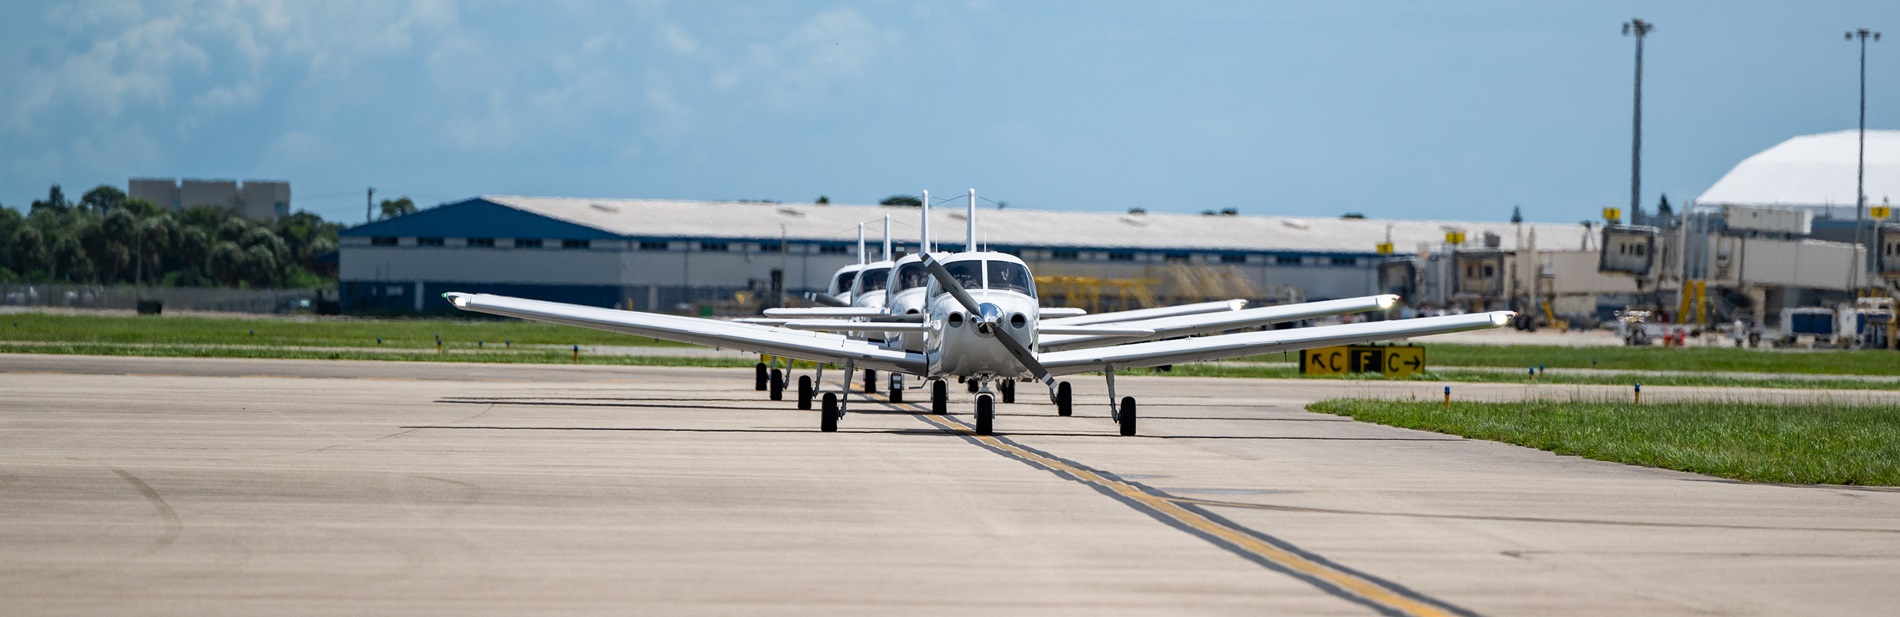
[(172, 298)]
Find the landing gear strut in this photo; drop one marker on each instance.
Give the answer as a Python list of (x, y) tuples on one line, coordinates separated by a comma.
[(1124, 414)]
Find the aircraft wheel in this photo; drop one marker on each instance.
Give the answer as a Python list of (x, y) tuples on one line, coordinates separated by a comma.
[(828, 421), (971, 384), (985, 414), (777, 385), (1065, 399), (1008, 386), (870, 381), (897, 388), (939, 396), (760, 377), (805, 392), (1128, 416)]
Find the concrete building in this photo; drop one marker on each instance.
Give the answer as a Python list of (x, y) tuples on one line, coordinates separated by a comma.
[(261, 200), (681, 255)]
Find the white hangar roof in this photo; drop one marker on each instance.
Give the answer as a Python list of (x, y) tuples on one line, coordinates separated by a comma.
[(1812, 170), (1020, 227)]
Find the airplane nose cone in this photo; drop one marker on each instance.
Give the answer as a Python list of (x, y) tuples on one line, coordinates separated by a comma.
[(990, 313)]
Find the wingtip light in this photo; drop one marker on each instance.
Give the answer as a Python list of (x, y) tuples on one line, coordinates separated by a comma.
[(1387, 301), (1502, 318)]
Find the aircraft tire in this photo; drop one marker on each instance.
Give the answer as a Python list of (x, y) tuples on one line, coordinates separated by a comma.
[(805, 392), (760, 377), (939, 397), (897, 388), (870, 381), (777, 385), (828, 417), (1065, 399), (1008, 386), (1128, 416), (985, 414), (971, 385)]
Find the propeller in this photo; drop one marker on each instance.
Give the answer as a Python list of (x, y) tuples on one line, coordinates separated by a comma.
[(987, 318)]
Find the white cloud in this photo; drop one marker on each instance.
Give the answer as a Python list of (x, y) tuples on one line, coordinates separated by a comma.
[(226, 97), (679, 41)]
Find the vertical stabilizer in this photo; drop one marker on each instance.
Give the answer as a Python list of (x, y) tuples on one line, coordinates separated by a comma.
[(970, 224)]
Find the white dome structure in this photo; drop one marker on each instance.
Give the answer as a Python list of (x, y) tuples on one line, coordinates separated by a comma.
[(1812, 171)]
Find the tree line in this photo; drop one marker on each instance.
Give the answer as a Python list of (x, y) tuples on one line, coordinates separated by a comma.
[(107, 238)]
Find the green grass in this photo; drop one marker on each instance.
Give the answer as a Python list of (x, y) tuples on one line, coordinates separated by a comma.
[(301, 332), (1715, 359), (1801, 444), (1681, 376), (524, 355)]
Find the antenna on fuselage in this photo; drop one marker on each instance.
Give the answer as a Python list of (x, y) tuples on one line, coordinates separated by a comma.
[(970, 224), (923, 244), (887, 237), (860, 244)]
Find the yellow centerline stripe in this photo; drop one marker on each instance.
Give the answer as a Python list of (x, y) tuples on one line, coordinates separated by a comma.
[(1369, 590)]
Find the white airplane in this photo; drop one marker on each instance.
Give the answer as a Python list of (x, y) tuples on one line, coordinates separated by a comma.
[(981, 323)]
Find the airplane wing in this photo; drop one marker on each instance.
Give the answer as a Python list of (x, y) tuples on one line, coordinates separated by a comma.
[(815, 346), (1051, 312), (840, 325), (1188, 325), (823, 312), (1198, 349), (1140, 314)]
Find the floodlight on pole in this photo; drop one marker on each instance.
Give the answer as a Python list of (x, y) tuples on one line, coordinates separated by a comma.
[(1639, 29)]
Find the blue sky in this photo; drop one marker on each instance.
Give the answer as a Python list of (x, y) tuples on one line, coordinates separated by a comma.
[(1454, 110)]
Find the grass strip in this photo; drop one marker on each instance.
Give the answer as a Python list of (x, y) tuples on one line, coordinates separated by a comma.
[(1801, 444), (1711, 359), (303, 331), (1599, 378), (517, 356)]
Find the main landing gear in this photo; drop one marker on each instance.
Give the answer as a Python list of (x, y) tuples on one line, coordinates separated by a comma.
[(761, 377), (897, 388), (831, 408), (777, 385), (985, 412), (870, 381), (1123, 411), (805, 391)]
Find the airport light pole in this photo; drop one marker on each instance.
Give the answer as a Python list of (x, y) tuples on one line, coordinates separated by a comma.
[(1639, 29), (1860, 177)]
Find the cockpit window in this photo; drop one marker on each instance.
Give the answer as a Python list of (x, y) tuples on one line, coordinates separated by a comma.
[(1011, 276), (969, 274), (911, 275), (843, 283), (873, 279)]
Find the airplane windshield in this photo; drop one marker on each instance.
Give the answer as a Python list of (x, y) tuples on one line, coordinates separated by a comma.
[(911, 275), (1008, 276), (873, 279), (968, 274), (843, 284)]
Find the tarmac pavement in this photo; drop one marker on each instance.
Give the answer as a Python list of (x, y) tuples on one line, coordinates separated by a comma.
[(223, 486)]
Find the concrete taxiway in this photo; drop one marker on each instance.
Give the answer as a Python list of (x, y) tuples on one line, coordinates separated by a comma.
[(187, 486)]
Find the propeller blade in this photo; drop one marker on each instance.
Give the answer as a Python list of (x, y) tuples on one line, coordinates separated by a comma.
[(1024, 356)]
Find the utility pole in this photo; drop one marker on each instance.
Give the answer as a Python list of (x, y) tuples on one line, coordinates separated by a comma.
[(369, 213), (1639, 29)]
